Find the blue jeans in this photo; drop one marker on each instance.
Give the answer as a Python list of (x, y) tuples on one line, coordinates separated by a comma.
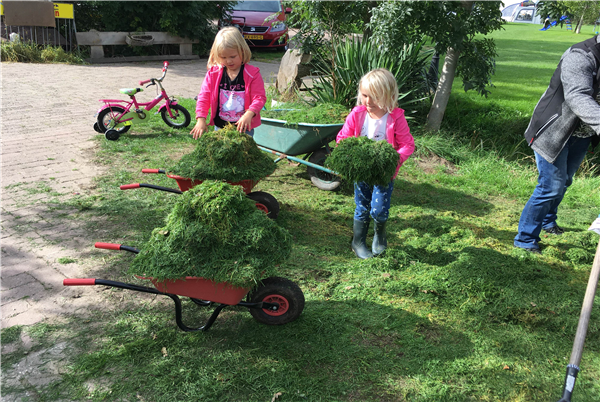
[(554, 179), (372, 201)]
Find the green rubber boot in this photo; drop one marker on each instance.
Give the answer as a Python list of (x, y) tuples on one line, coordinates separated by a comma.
[(380, 238), (359, 245)]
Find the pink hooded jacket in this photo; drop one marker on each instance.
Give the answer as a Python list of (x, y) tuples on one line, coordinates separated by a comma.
[(397, 131), (254, 98)]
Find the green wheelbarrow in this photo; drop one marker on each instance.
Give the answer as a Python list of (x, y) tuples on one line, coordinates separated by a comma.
[(310, 140)]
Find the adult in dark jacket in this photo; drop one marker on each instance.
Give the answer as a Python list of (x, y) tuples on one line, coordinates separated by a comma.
[(565, 122)]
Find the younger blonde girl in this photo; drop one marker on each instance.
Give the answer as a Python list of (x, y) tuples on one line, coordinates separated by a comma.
[(379, 118)]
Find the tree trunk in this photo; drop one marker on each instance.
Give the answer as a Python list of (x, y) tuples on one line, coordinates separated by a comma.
[(442, 93), (579, 24), (444, 87)]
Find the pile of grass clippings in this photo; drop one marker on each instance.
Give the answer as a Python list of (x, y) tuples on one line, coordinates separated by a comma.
[(360, 159), (225, 154), (323, 113), (215, 232)]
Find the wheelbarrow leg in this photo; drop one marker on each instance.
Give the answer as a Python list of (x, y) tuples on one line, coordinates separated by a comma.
[(178, 315), (175, 298)]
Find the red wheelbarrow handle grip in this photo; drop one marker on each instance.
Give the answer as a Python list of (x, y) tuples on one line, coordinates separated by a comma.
[(108, 246), (112, 246), (79, 282), (153, 171), (129, 186)]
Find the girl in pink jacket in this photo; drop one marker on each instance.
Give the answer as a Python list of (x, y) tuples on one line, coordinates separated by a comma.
[(378, 117), (233, 90)]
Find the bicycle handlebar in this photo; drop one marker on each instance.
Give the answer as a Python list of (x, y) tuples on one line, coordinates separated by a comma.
[(164, 71)]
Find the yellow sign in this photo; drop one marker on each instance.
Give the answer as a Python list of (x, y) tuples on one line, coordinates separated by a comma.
[(62, 10)]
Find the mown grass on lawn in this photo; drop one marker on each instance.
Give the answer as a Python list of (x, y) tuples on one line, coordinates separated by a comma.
[(452, 312)]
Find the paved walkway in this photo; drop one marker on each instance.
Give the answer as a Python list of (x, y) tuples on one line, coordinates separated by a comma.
[(47, 113)]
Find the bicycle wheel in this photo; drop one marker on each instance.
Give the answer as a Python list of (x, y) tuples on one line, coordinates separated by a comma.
[(181, 117), (112, 135), (107, 117)]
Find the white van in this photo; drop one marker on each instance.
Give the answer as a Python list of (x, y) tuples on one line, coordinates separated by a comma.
[(521, 12)]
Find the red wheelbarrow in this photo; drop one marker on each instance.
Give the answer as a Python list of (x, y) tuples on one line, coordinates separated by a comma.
[(275, 301), (264, 201)]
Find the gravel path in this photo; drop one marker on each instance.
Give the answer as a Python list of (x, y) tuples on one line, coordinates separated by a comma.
[(46, 130)]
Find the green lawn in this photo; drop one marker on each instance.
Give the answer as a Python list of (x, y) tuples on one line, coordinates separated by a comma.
[(527, 57), (452, 312)]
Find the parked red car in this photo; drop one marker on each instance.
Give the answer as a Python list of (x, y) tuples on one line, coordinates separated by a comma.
[(250, 17)]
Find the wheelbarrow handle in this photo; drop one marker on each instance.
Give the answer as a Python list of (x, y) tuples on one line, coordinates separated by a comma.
[(162, 171), (152, 186), (129, 186), (79, 282), (113, 246)]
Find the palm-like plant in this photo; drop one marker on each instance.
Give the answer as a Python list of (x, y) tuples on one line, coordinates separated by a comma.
[(338, 75)]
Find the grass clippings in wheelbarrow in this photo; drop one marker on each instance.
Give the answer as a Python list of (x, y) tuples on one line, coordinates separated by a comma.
[(323, 113), (225, 154), (360, 159), (215, 232)]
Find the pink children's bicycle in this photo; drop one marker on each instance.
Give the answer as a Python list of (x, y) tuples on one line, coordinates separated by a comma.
[(117, 115)]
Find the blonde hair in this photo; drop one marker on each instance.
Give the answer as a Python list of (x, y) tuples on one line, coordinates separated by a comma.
[(229, 38), (382, 87)]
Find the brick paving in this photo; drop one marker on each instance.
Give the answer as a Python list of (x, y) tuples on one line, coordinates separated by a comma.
[(47, 113)]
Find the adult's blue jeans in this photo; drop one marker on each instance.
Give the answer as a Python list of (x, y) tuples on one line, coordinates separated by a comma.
[(373, 201), (553, 180)]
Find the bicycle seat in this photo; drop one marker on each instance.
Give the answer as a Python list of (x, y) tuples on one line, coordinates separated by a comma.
[(130, 91)]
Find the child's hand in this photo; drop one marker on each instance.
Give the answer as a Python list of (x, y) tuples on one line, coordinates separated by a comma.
[(199, 129), (243, 124)]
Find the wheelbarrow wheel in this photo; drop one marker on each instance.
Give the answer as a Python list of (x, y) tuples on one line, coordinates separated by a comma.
[(281, 291), (322, 180), (265, 202)]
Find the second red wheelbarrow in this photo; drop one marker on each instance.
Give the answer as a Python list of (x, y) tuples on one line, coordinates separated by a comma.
[(264, 201), (275, 301)]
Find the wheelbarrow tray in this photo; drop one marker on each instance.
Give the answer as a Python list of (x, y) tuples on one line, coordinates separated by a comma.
[(185, 183), (201, 288), (294, 140)]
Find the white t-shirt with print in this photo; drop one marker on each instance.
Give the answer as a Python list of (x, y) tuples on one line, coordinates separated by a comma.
[(374, 128)]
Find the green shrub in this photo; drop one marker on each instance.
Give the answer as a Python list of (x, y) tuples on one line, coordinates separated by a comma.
[(20, 52), (30, 52), (225, 154), (214, 231), (360, 159)]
